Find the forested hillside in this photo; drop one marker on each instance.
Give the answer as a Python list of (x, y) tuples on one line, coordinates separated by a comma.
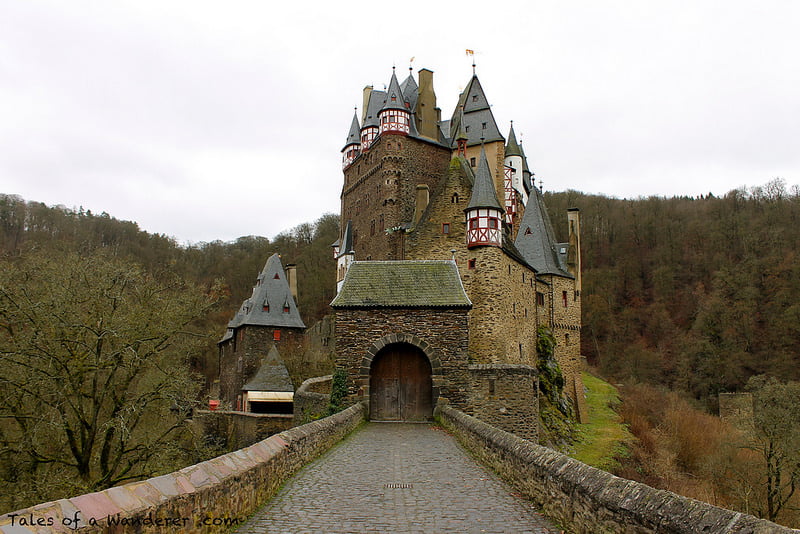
[(696, 294)]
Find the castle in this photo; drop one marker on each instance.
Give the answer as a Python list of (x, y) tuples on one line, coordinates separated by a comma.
[(446, 265)]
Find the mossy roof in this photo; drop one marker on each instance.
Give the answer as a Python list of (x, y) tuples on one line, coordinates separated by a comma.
[(402, 284)]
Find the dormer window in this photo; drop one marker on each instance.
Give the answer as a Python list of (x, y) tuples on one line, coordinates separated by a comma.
[(265, 307), (286, 307), (474, 98), (277, 276), (394, 97)]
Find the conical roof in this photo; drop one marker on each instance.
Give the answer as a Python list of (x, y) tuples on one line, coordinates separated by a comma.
[(410, 91), (272, 303), (394, 96), (512, 147), (354, 136), (272, 375), (346, 245), (483, 192)]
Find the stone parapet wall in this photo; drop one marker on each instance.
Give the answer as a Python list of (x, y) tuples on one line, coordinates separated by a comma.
[(587, 500), (312, 398), (505, 396), (212, 496), (241, 429)]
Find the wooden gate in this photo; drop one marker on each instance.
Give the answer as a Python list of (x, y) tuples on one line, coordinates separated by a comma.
[(400, 385)]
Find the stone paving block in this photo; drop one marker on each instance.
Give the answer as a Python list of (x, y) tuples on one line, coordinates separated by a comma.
[(392, 477)]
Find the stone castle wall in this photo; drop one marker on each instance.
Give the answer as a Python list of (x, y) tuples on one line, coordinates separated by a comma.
[(505, 396), (379, 192), (240, 357), (440, 333)]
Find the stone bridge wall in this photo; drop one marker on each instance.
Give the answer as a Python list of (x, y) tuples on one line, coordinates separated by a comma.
[(312, 398), (208, 497), (587, 500)]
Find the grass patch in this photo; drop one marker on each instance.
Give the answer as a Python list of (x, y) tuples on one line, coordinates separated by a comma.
[(604, 438)]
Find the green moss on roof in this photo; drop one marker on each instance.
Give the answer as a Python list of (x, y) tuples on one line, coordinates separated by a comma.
[(402, 284)]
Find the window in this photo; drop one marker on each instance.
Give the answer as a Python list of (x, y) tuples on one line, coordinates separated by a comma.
[(286, 308), (474, 98), (445, 228), (372, 227), (483, 126), (492, 223), (277, 276), (454, 198), (276, 335), (265, 307), (564, 298), (471, 162), (471, 264), (540, 298)]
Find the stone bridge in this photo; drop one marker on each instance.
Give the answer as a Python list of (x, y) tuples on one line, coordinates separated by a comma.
[(387, 478)]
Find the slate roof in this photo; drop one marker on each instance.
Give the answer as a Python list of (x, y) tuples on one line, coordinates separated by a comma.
[(512, 147), (402, 284), (410, 90), (376, 99), (271, 295), (483, 192), (536, 239), (394, 91), (354, 136), (476, 114), (271, 376), (346, 245)]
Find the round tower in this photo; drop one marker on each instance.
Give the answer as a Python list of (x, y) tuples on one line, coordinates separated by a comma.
[(484, 212), (352, 148), (395, 117)]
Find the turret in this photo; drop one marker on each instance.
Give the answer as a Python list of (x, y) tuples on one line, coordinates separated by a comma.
[(373, 101), (352, 147), (345, 256), (395, 116), (484, 211), (514, 160)]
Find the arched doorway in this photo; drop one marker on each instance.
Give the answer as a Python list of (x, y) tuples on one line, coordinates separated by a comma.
[(400, 385)]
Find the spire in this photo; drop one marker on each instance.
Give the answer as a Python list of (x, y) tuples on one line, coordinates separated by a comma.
[(354, 136), (483, 192), (512, 148), (394, 95), (474, 114)]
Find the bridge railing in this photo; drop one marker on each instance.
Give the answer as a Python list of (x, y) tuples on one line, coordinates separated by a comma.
[(207, 497), (588, 500)]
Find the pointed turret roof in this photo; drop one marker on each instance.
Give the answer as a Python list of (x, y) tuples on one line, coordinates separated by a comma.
[(271, 376), (347, 239), (354, 136), (271, 296), (483, 192), (410, 91), (536, 240), (478, 121), (512, 148), (394, 96)]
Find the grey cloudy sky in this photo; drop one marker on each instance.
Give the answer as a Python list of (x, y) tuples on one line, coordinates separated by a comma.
[(212, 120)]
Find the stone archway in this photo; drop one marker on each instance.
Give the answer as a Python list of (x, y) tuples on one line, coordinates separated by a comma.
[(401, 384)]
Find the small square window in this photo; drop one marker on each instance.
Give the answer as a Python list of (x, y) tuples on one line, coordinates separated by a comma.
[(276, 335)]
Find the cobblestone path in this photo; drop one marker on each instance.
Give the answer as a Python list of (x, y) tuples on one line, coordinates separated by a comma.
[(389, 477)]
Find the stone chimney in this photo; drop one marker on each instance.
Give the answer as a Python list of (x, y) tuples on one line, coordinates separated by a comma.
[(574, 255), (427, 114), (291, 278), (365, 103)]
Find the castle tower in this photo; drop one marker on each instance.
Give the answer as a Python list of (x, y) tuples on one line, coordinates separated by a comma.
[(484, 211), (373, 101), (352, 146), (395, 116)]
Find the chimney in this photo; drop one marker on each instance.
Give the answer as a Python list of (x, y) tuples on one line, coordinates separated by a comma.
[(291, 278), (574, 255), (365, 103), (428, 115), (421, 202)]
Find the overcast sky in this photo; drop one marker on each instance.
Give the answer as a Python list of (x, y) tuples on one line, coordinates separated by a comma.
[(212, 120)]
